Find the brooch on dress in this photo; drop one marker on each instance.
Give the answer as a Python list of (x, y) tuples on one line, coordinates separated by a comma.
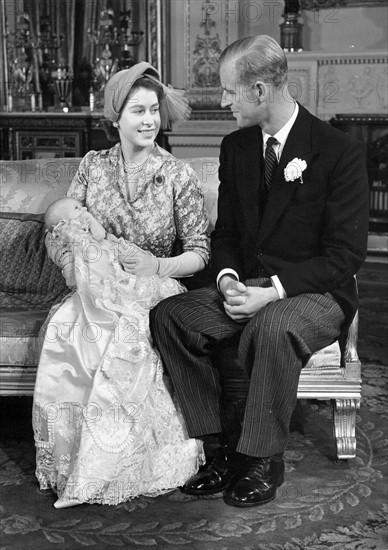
[(159, 180)]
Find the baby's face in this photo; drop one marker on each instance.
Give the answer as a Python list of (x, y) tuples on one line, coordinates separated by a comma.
[(71, 209)]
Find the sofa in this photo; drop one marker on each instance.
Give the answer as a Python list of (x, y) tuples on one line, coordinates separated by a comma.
[(30, 284)]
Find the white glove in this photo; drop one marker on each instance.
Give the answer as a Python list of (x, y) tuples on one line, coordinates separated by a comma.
[(144, 264), (141, 263), (184, 265)]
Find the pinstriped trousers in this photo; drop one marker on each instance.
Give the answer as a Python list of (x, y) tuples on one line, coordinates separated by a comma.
[(274, 346)]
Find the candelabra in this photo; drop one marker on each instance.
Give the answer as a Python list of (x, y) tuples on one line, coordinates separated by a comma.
[(22, 73), (47, 43), (32, 62), (108, 39)]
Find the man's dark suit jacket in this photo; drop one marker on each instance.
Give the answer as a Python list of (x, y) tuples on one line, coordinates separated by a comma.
[(312, 235)]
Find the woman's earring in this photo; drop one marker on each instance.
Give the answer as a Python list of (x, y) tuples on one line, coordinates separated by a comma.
[(116, 124)]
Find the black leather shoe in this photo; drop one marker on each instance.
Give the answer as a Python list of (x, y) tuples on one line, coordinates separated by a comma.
[(216, 477), (259, 484)]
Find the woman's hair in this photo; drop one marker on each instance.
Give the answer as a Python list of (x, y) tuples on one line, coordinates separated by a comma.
[(148, 84), (153, 85), (111, 131), (257, 57)]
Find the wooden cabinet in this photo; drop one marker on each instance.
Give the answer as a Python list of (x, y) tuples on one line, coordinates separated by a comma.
[(42, 144), (50, 135)]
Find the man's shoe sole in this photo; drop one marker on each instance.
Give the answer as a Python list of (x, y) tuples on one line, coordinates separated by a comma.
[(239, 504)]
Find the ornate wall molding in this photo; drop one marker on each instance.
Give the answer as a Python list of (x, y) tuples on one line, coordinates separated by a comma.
[(330, 84), (326, 84), (208, 31), (356, 60), (302, 83), (212, 115)]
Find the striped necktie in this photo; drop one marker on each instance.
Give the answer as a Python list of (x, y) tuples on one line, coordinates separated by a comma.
[(271, 162)]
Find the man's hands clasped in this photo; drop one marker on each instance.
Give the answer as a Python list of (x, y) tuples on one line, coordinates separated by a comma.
[(243, 302)]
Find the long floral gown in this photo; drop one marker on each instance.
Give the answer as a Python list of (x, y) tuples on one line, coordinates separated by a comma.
[(106, 426)]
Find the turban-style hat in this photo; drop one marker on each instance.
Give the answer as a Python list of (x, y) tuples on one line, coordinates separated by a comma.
[(174, 106)]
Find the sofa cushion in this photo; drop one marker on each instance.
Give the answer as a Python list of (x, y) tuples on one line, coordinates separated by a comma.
[(19, 330), (28, 278), (30, 283), (324, 360)]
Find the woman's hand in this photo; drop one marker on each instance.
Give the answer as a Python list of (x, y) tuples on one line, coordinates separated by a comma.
[(140, 263)]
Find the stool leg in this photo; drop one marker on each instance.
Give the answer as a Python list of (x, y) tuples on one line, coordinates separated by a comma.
[(344, 412)]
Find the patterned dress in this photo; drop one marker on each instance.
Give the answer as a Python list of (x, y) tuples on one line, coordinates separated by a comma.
[(106, 425)]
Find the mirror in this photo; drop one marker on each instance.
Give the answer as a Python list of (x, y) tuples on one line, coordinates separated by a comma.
[(59, 55)]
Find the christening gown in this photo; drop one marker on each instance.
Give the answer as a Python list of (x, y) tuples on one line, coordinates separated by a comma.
[(105, 424)]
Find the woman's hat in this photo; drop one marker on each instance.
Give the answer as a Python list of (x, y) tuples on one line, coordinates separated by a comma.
[(174, 106)]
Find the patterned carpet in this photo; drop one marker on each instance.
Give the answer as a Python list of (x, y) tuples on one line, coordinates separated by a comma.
[(323, 504)]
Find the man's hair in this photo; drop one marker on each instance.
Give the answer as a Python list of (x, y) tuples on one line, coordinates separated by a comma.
[(257, 57)]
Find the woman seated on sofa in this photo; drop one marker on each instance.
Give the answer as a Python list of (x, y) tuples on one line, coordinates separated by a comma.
[(106, 428)]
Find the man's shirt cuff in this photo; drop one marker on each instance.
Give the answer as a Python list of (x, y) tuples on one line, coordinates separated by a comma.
[(226, 271), (278, 286)]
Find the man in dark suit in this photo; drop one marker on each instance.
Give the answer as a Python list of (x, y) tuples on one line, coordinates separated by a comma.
[(291, 234)]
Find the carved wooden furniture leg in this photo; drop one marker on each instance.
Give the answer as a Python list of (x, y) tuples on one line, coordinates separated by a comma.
[(344, 412), (345, 409)]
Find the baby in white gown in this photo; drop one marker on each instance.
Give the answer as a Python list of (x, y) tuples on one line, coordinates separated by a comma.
[(72, 225), (106, 427)]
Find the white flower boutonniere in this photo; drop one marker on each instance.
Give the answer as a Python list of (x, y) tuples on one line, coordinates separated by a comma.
[(294, 170)]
